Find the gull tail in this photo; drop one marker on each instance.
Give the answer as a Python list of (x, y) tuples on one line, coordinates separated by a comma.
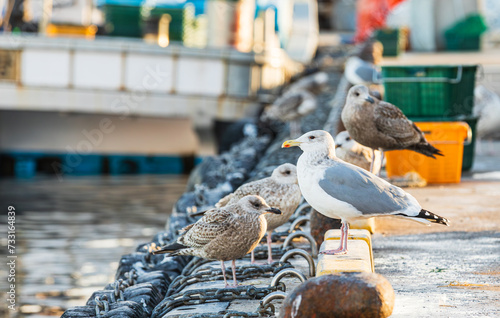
[(431, 217), (172, 249), (426, 149)]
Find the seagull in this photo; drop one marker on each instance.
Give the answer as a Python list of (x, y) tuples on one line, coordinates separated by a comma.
[(340, 190), (358, 71), (291, 107), (380, 125), (314, 83), (280, 190), (353, 152), (224, 234)]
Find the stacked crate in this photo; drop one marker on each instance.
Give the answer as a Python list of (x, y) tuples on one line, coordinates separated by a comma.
[(439, 93)]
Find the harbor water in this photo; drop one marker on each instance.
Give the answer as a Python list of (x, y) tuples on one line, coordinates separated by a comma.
[(71, 234)]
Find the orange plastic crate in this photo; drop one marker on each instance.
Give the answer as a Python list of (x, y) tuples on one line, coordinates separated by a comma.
[(449, 138), (55, 30)]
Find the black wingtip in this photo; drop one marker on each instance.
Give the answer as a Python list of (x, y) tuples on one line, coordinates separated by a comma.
[(427, 150), (199, 213), (432, 217), (169, 249)]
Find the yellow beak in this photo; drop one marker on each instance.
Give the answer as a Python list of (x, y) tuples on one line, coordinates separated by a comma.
[(290, 143)]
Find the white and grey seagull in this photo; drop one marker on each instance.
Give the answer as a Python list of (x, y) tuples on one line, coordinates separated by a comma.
[(340, 190)]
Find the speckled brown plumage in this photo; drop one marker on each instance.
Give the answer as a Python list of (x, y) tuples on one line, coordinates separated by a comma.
[(280, 190), (381, 125), (353, 152), (226, 233), (291, 106)]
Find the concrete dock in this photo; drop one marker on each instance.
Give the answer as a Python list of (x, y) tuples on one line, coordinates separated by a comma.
[(439, 271)]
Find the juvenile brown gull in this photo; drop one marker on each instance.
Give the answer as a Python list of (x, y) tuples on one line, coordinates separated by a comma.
[(340, 190), (381, 125), (280, 190), (225, 233), (353, 152), (314, 83), (291, 107)]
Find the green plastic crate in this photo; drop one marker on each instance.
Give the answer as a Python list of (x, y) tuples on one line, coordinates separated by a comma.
[(431, 91), (150, 21), (469, 148), (390, 39), (460, 43), (122, 20), (465, 35)]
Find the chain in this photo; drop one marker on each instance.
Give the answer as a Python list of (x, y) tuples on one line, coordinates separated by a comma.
[(267, 310), (131, 277), (227, 314), (101, 304), (242, 272), (120, 286), (260, 251), (200, 296), (193, 264)]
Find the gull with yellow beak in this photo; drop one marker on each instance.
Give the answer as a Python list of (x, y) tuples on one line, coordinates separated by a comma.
[(340, 190)]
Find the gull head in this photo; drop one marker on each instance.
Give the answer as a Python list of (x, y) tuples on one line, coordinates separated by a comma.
[(318, 141), (256, 204), (359, 95), (285, 174), (343, 140)]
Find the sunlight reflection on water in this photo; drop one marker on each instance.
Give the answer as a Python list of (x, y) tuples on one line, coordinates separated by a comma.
[(70, 235)]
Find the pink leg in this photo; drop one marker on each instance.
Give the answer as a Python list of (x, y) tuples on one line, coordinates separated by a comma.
[(269, 248), (252, 257), (344, 232), (223, 272), (233, 266)]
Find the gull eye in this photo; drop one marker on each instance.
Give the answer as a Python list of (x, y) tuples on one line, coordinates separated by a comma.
[(311, 137), (348, 138), (256, 204), (356, 94), (287, 172)]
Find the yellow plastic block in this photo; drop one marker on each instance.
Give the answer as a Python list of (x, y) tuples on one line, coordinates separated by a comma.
[(364, 224), (359, 257)]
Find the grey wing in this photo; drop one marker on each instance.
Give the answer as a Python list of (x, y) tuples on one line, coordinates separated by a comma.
[(284, 107), (212, 224), (363, 190), (366, 72), (289, 102), (391, 121)]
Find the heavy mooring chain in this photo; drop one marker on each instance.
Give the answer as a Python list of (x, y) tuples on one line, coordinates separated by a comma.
[(242, 272), (228, 314), (131, 277), (120, 286), (266, 308), (200, 296), (260, 252), (194, 264), (101, 305)]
